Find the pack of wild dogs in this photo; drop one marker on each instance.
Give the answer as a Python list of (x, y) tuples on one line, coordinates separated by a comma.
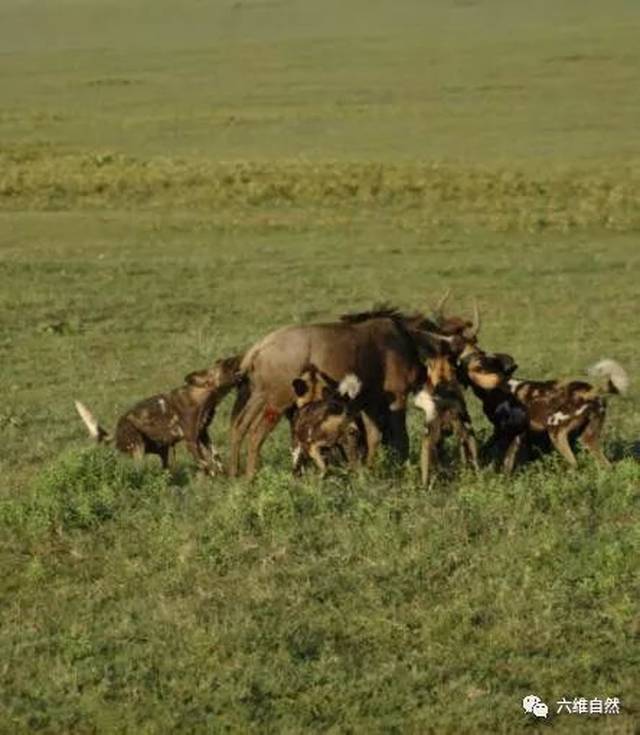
[(345, 386)]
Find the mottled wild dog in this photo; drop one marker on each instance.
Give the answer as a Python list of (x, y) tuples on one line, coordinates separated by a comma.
[(326, 418), (525, 411), (156, 424), (441, 398)]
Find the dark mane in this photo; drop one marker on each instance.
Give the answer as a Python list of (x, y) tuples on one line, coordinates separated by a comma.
[(381, 311)]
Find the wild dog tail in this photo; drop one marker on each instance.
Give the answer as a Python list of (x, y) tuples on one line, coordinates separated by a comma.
[(615, 374), (350, 386), (95, 430)]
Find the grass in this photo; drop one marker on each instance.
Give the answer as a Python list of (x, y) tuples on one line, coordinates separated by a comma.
[(173, 185), (283, 607), (496, 198)]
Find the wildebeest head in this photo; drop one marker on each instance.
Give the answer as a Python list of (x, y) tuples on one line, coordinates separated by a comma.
[(466, 330)]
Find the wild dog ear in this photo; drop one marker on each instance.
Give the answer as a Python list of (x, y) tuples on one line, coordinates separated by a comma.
[(327, 379), (300, 387), (327, 393), (198, 378), (507, 363), (230, 369)]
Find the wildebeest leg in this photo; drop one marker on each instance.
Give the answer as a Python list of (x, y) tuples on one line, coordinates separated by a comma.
[(398, 436), (560, 441), (373, 436), (243, 394), (239, 427), (261, 427), (590, 437), (510, 455), (163, 453)]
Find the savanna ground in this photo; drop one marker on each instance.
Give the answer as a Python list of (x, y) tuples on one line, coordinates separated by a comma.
[(176, 182)]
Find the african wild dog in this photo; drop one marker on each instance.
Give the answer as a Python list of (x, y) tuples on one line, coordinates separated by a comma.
[(529, 410), (326, 418), (156, 424), (445, 411)]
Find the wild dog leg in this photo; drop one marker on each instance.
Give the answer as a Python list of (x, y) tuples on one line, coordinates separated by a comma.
[(511, 454), (316, 455), (470, 448), (560, 441), (425, 459), (298, 459), (197, 451), (350, 446), (373, 437), (209, 453), (591, 439), (428, 451)]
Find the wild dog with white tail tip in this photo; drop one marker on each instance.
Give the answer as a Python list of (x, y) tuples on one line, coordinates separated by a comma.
[(526, 410), (326, 418), (156, 424), (441, 399)]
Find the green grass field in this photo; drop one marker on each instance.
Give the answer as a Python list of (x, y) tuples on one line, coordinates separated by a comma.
[(178, 179)]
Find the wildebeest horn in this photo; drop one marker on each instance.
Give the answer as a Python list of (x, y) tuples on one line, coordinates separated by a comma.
[(439, 310), (473, 330), (441, 337)]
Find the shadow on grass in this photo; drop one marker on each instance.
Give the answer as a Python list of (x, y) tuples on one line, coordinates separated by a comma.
[(620, 449)]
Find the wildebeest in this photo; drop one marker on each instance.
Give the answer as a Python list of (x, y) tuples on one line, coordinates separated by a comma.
[(156, 424), (524, 411), (326, 419), (383, 347)]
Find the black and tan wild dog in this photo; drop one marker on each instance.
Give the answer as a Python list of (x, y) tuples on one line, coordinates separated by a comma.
[(524, 411), (156, 424), (441, 398), (326, 418)]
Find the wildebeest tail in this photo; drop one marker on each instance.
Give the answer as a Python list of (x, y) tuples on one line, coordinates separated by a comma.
[(615, 375), (95, 430)]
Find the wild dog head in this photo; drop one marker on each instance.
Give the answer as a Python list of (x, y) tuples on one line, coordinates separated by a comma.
[(486, 371), (222, 376), (313, 385)]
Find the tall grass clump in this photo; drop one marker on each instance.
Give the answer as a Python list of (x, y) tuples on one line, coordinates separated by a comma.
[(498, 197), (82, 489)]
